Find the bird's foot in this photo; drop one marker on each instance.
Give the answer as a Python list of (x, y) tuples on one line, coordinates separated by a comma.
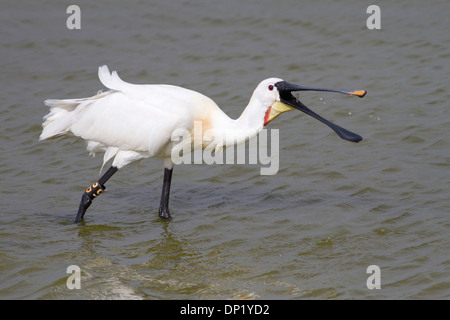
[(86, 199), (84, 204), (164, 214)]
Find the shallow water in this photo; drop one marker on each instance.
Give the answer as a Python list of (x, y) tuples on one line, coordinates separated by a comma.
[(310, 231)]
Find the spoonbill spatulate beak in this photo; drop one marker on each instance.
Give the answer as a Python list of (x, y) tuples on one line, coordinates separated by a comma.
[(286, 97)]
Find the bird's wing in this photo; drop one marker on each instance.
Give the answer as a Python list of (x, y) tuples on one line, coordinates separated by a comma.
[(116, 120), (130, 118), (165, 109), (165, 97)]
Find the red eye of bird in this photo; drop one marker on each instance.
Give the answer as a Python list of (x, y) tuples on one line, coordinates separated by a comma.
[(270, 87)]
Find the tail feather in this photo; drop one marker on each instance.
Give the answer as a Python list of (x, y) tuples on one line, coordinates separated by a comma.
[(57, 122), (110, 80), (61, 116)]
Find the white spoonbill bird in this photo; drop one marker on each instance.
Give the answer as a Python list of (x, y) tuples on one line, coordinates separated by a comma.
[(131, 122)]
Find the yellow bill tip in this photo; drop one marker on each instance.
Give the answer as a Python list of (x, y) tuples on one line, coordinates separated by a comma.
[(359, 93)]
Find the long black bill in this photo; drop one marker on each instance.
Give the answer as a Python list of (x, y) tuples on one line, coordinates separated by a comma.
[(286, 89)]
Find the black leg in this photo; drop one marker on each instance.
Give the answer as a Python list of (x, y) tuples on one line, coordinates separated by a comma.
[(92, 192), (164, 205)]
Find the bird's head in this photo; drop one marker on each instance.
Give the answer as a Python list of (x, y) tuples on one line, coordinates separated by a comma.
[(276, 95)]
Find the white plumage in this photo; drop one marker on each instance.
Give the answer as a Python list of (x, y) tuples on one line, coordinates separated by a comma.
[(131, 122)]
